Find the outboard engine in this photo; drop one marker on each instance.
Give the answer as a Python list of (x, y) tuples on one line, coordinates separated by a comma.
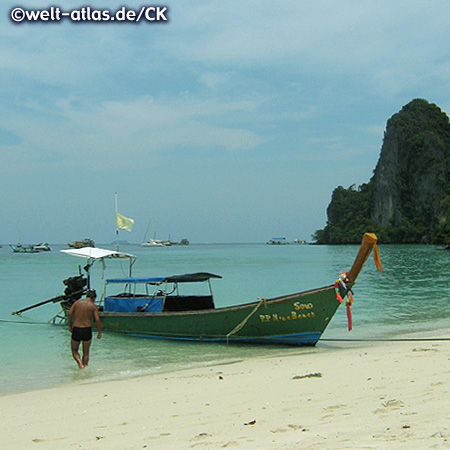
[(75, 288)]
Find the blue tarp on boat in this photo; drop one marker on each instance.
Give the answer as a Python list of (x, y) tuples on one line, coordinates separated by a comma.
[(117, 304)]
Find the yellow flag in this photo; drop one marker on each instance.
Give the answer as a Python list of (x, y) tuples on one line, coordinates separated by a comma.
[(124, 222)]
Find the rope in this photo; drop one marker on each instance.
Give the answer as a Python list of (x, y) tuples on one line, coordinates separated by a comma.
[(387, 340), (19, 322), (241, 325)]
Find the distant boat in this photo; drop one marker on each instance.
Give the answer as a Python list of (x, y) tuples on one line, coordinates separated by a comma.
[(19, 248), (42, 247), (88, 242), (283, 241), (160, 243), (182, 242), (277, 241), (153, 243)]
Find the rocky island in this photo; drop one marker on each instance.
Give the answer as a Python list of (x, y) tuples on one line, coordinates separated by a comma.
[(407, 200)]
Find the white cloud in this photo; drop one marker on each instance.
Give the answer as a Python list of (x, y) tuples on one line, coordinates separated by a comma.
[(124, 134)]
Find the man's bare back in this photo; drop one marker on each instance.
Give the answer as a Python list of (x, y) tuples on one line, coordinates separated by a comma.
[(84, 311)]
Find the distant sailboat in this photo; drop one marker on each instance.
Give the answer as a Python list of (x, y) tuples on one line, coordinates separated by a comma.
[(151, 242)]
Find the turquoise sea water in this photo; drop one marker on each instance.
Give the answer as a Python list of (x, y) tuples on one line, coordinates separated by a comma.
[(413, 295)]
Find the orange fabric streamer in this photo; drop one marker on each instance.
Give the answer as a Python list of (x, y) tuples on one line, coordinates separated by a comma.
[(376, 257)]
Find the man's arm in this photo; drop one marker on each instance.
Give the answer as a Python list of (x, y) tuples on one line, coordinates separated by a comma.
[(98, 323)]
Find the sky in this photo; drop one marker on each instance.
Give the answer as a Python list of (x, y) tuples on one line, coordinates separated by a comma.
[(231, 122)]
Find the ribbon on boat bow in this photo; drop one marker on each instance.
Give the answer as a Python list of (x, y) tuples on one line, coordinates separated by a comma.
[(368, 244), (348, 297)]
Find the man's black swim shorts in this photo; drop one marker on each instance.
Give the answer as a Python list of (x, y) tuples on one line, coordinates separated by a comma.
[(81, 334)]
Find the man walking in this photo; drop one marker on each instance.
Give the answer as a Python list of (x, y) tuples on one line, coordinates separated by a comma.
[(83, 311)]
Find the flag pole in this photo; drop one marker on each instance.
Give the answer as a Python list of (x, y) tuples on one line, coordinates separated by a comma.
[(117, 229)]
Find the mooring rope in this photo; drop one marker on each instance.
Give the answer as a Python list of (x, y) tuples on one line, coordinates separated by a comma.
[(20, 322), (240, 326), (386, 340)]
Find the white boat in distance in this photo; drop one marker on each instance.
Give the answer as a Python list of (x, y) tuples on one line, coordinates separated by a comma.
[(153, 243)]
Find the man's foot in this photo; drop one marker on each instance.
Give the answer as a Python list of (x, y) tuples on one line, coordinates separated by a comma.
[(80, 364)]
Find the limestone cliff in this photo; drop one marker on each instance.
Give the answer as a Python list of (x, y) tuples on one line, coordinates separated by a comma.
[(408, 198)]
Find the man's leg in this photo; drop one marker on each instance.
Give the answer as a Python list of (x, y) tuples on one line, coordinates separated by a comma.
[(86, 347), (76, 356)]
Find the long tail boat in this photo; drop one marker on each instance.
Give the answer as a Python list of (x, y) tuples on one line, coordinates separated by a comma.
[(161, 312), (297, 319)]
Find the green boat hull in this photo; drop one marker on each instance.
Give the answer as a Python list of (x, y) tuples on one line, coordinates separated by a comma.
[(297, 319)]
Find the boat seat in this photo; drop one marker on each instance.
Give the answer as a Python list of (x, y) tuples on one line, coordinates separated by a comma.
[(188, 303)]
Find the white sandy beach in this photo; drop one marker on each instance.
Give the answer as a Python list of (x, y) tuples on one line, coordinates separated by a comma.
[(393, 395)]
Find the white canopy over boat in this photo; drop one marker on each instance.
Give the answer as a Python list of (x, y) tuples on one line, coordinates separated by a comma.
[(97, 253), (92, 254)]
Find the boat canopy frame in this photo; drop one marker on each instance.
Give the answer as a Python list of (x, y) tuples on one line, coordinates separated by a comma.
[(93, 254)]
